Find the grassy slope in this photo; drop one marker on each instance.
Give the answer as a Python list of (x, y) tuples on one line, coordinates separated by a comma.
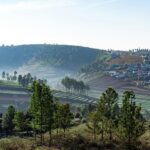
[(10, 83), (76, 137)]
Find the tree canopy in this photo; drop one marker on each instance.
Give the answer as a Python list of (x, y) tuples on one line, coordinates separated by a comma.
[(74, 85)]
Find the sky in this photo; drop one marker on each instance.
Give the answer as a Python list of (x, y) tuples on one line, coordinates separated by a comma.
[(103, 24)]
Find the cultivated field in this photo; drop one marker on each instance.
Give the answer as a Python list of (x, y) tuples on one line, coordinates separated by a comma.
[(19, 96), (143, 100)]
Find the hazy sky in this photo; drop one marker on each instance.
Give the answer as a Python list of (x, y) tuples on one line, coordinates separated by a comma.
[(117, 24)]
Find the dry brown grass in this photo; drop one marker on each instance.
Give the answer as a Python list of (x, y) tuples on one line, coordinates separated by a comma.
[(15, 143), (145, 140), (77, 138)]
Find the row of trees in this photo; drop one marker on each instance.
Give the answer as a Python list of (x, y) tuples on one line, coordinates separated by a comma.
[(44, 114), (73, 85), (23, 80), (28, 79), (109, 119), (9, 77)]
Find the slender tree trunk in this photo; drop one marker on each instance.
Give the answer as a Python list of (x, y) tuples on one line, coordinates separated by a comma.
[(50, 137), (102, 136), (129, 141), (41, 126), (110, 137), (35, 136), (57, 130), (34, 130), (64, 131), (110, 133), (41, 135), (94, 134)]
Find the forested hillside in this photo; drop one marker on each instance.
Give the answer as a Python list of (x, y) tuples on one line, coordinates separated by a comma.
[(69, 57), (15, 56)]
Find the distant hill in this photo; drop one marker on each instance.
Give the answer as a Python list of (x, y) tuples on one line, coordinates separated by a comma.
[(70, 57), (53, 62), (15, 56), (64, 56)]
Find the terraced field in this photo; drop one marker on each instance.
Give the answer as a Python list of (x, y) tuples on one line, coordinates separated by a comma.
[(143, 100), (19, 97), (10, 83), (101, 83), (74, 98)]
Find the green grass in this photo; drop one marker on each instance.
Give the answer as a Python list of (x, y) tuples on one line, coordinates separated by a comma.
[(10, 83), (12, 92)]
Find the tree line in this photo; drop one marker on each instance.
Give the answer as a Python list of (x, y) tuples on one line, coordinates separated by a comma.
[(23, 80), (9, 77), (73, 85), (28, 79)]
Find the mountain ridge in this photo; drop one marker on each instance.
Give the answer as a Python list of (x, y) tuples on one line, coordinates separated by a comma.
[(67, 56)]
